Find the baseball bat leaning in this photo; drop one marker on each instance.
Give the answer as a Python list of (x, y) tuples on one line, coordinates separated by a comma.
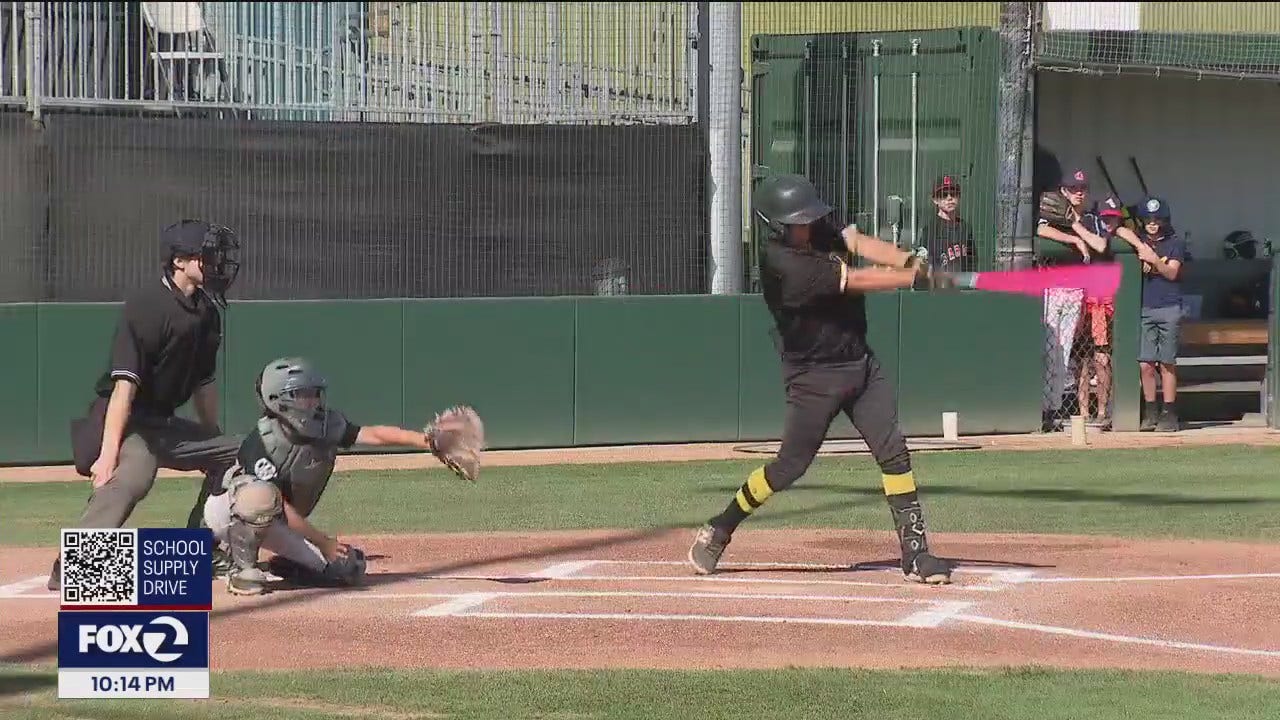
[(1126, 216), (1099, 281), (1138, 171)]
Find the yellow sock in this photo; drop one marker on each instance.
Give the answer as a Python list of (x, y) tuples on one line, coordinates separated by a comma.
[(898, 484), (753, 492)]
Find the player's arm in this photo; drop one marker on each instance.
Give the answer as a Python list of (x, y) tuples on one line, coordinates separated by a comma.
[(874, 279), (1168, 268), (137, 339), (390, 435), (206, 402), (329, 546), (205, 397), (1093, 240), (875, 250), (1047, 231)]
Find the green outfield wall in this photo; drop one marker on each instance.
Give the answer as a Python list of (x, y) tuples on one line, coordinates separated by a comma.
[(550, 372)]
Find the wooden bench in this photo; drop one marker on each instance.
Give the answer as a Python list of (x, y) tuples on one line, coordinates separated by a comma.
[(1227, 341)]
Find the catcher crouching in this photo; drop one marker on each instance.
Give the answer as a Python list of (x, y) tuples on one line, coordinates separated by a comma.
[(283, 467)]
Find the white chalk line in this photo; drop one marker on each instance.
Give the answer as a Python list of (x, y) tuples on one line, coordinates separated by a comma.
[(563, 570), (833, 567), (938, 605), (718, 579), (936, 616), (1132, 639), (458, 605), (18, 590), (757, 619), (1146, 578)]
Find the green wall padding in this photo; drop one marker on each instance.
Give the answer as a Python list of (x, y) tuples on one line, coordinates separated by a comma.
[(976, 354), (661, 368), (20, 391), (511, 360), (558, 372), (357, 345), (74, 343)]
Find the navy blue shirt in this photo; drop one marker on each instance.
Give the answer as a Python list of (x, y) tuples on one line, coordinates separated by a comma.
[(1157, 290)]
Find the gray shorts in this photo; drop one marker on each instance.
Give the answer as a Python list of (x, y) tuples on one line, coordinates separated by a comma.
[(1159, 342)]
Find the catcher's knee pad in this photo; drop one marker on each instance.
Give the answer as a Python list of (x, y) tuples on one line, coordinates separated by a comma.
[(256, 503)]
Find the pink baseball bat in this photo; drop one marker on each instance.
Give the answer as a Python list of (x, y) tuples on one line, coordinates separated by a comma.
[(1099, 281)]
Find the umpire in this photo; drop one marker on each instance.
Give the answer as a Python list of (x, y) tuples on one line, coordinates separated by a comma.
[(818, 302), (164, 353)]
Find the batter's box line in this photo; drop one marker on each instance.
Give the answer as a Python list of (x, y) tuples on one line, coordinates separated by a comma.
[(572, 570), (467, 605)]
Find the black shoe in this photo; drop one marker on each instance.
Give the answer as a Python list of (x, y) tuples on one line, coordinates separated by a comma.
[(1168, 421), (55, 576), (1148, 419), (708, 545), (927, 569)]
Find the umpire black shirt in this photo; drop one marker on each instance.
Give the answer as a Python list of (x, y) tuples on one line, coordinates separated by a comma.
[(165, 343), (815, 322)]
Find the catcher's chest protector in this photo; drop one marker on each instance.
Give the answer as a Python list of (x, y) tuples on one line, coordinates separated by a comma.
[(301, 471)]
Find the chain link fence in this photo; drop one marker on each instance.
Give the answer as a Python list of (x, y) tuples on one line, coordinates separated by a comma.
[(468, 62), (1198, 39)]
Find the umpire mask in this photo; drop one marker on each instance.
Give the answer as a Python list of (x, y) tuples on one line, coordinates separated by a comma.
[(292, 390), (219, 259)]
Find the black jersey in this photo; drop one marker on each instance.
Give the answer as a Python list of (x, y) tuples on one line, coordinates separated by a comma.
[(166, 343), (814, 320)]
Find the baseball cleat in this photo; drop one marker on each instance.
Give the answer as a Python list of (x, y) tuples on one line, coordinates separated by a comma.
[(929, 570), (222, 565), (708, 546), (247, 582)]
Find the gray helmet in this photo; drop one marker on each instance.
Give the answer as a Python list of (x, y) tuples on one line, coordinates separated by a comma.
[(789, 200), (292, 390)]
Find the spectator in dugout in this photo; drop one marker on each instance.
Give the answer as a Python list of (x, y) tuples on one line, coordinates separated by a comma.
[(1094, 337), (1063, 306), (946, 237)]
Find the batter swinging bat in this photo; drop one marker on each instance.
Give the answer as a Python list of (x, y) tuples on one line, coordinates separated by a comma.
[(1100, 281)]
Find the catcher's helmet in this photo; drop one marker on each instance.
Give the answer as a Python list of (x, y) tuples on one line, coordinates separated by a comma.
[(782, 200), (292, 390), (217, 246)]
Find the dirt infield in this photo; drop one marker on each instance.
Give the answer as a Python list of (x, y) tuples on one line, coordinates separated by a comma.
[(605, 599), (1230, 435)]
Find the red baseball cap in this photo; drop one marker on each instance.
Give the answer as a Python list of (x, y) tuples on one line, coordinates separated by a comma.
[(1111, 207), (1075, 178), (946, 182)]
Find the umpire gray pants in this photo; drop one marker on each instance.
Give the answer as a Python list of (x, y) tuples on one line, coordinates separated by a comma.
[(150, 444)]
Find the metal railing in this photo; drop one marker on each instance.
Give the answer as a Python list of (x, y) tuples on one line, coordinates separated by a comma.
[(503, 62)]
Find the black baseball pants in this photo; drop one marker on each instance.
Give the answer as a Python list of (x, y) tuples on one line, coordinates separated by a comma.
[(816, 394)]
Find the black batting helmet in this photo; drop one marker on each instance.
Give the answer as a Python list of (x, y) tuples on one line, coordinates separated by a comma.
[(783, 200)]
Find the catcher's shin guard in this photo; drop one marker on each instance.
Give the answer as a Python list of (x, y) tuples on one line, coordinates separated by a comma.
[(244, 577), (918, 564)]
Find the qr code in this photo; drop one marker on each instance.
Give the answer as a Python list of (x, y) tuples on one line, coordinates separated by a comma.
[(100, 567)]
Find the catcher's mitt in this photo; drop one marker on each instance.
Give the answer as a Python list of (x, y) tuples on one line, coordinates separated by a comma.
[(457, 439), (1055, 210)]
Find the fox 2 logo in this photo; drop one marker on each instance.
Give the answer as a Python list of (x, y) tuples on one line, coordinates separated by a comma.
[(129, 639)]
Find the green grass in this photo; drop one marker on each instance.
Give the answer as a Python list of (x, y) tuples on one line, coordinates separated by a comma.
[(647, 695), (1220, 492), (1213, 492)]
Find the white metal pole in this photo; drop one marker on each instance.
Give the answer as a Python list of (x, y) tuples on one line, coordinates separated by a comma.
[(915, 139), (35, 57), (725, 146), (875, 140)]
